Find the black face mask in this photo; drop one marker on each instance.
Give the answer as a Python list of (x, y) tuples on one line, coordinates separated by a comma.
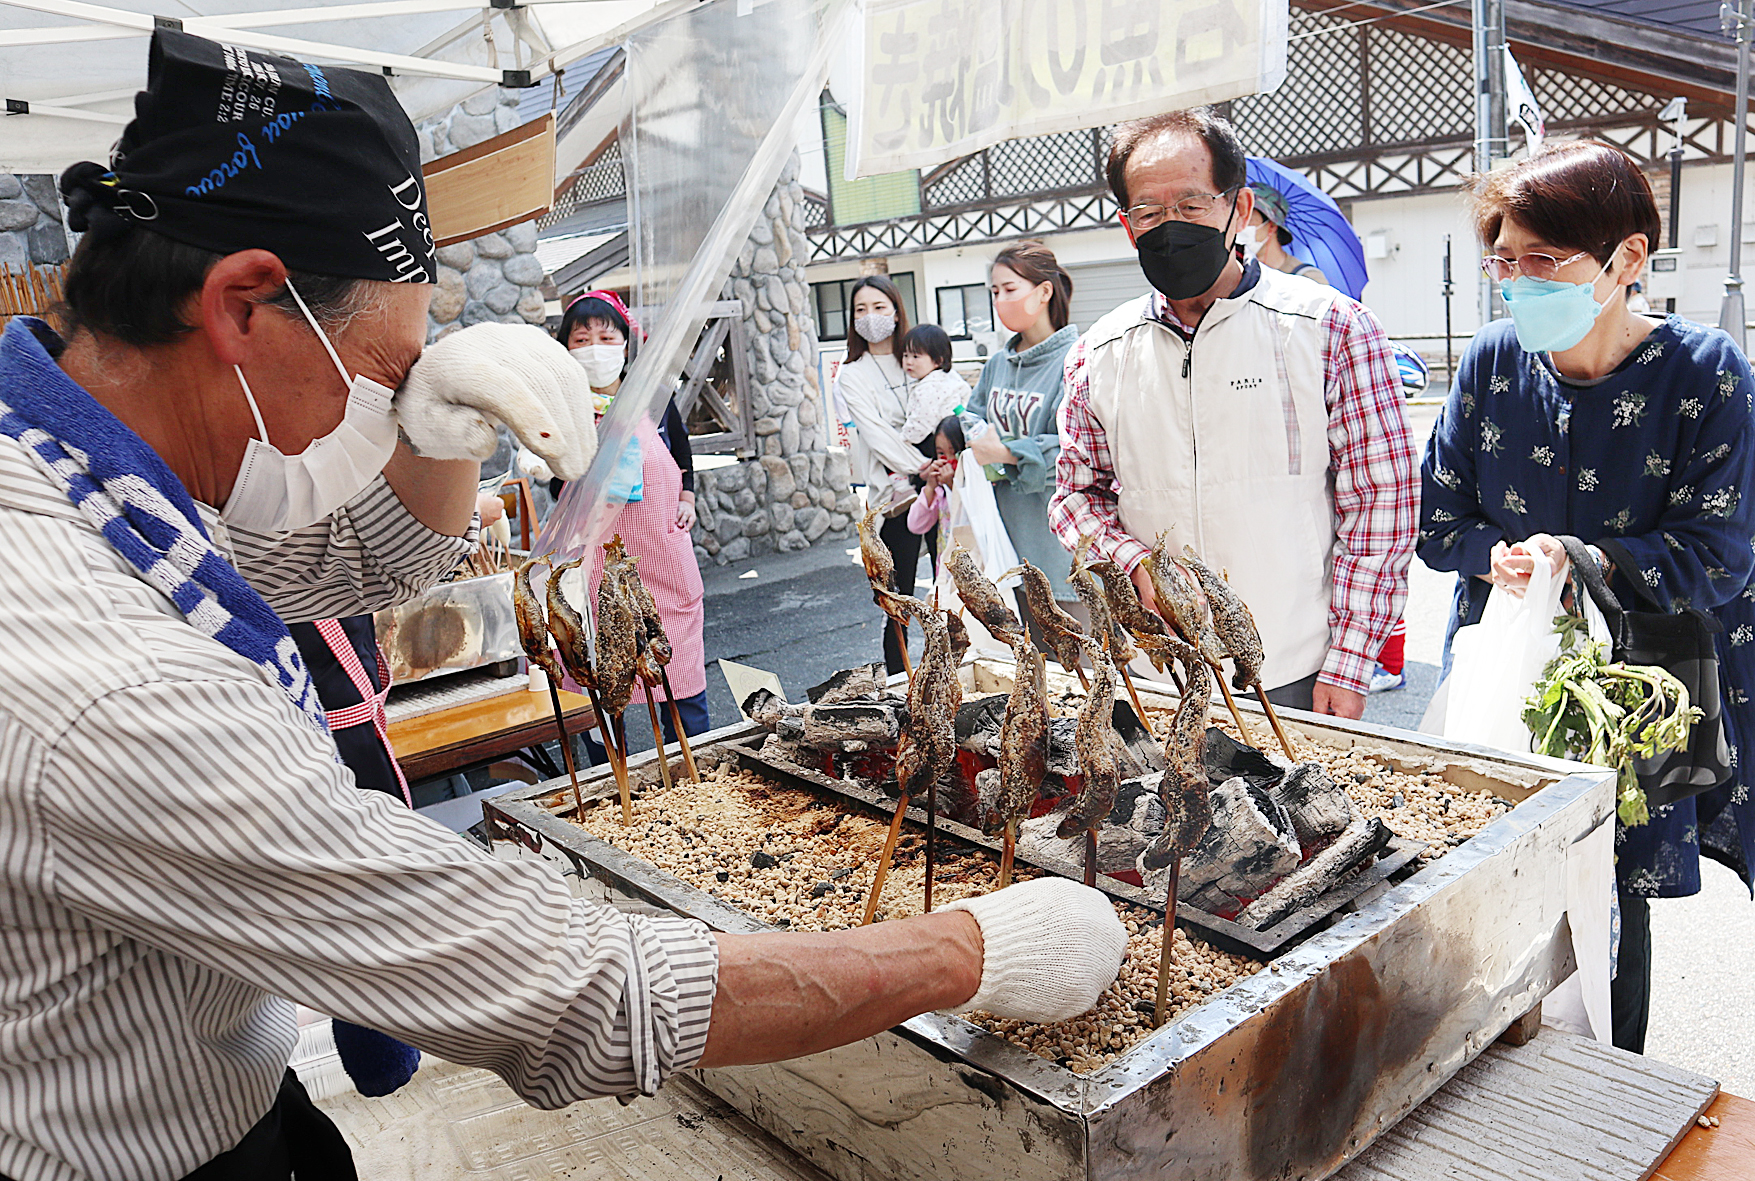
[(1184, 259)]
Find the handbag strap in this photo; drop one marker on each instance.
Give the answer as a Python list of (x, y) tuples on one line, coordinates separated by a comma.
[(1588, 571)]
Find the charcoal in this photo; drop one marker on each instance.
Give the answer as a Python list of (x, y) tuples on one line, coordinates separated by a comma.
[(1362, 841), (765, 707), (1140, 753), (1137, 817), (978, 724), (1226, 758), (1250, 845), (1320, 809), (850, 684), (986, 795), (854, 726)]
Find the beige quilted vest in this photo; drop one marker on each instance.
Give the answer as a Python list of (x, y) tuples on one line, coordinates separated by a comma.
[(1224, 444)]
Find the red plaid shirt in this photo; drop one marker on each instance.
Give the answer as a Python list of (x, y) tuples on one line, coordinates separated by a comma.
[(1371, 458)]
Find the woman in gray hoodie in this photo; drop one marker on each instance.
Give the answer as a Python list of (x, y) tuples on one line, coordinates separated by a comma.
[(1019, 394)]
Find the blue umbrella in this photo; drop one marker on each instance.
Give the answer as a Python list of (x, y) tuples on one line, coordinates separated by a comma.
[(1321, 234)]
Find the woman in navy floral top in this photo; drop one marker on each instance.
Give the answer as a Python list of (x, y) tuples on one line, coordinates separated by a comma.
[(1634, 433)]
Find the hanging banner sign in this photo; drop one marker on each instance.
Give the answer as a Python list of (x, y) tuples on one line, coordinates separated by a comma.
[(1521, 106), (941, 79)]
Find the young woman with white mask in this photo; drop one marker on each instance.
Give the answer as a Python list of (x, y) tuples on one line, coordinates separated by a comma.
[(874, 388), (1019, 394)]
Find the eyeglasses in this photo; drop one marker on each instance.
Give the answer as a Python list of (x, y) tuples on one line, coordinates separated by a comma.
[(1533, 266), (1149, 214)]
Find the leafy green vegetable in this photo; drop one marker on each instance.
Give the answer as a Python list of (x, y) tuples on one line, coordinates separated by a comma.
[(1608, 713)]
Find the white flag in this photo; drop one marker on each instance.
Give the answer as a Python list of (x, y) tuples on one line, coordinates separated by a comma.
[(944, 78), (1520, 104)]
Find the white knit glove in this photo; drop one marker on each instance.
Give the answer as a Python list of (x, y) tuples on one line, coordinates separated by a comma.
[(487, 374), (1049, 949), (532, 465)]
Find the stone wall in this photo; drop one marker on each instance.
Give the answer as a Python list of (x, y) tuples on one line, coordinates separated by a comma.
[(30, 222), (796, 491)]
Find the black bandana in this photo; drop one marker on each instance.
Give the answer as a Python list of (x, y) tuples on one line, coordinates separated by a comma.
[(232, 150)]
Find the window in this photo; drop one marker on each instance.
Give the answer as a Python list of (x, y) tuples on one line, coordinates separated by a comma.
[(833, 302), (965, 312)]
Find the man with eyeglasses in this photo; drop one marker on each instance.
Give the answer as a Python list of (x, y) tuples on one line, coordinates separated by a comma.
[(1254, 415)]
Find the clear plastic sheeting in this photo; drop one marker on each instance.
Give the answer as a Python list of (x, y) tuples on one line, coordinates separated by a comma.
[(714, 99)]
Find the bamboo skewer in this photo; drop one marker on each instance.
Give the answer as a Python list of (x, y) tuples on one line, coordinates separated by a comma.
[(931, 827), (1138, 709), (1231, 704), (1090, 857), (902, 642), (1165, 955), (554, 696), (1267, 707), (658, 737), (1008, 850), (682, 736), (883, 868)]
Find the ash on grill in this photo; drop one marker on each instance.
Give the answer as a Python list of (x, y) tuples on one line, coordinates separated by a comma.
[(796, 859)]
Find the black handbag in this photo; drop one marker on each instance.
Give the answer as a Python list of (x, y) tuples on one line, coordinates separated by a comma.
[(1681, 643)]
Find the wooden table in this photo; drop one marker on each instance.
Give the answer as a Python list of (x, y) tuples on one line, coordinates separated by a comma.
[(450, 740), (1724, 1153)]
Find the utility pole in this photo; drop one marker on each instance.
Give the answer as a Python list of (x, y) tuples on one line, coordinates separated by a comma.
[(1730, 316), (1488, 18), (1449, 353), (1674, 112)]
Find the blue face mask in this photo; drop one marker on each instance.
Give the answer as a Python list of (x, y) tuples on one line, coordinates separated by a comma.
[(1551, 316)]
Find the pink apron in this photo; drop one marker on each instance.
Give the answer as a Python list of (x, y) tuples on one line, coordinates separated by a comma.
[(667, 564)]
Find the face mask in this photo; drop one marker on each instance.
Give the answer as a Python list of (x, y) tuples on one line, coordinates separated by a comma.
[(1020, 312), (875, 328), (276, 493), (602, 362), (1552, 316), (1250, 240), (1183, 259)]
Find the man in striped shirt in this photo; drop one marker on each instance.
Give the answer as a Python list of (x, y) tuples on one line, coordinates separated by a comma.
[(1253, 415), (181, 853)]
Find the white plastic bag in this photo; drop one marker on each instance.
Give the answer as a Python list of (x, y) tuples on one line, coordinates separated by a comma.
[(975, 524), (1495, 663)]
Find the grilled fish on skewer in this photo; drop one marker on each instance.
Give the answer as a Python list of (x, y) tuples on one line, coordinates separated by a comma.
[(1184, 786), (928, 746), (1180, 597), (1232, 621), (982, 599), (616, 646), (959, 637), (880, 567), (533, 633), (655, 655), (567, 626), (1105, 628), (1095, 740), (532, 627), (1062, 631), (1023, 748)]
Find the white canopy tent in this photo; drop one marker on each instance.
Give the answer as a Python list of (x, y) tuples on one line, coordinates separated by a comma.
[(69, 69)]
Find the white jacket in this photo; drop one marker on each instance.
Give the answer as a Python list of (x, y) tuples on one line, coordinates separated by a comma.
[(876, 392)]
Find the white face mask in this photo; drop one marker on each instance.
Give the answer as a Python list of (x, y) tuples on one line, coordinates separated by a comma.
[(603, 363), (1250, 240), (276, 493)]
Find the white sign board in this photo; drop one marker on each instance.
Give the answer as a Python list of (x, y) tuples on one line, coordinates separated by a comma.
[(944, 78)]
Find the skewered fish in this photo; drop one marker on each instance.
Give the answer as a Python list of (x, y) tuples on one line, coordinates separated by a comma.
[(1178, 595), (532, 628), (617, 646), (1187, 810), (1150, 632), (1096, 740), (959, 636), (1023, 747), (929, 744), (1105, 629), (1232, 621), (567, 626), (981, 597), (880, 568), (1062, 631)]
